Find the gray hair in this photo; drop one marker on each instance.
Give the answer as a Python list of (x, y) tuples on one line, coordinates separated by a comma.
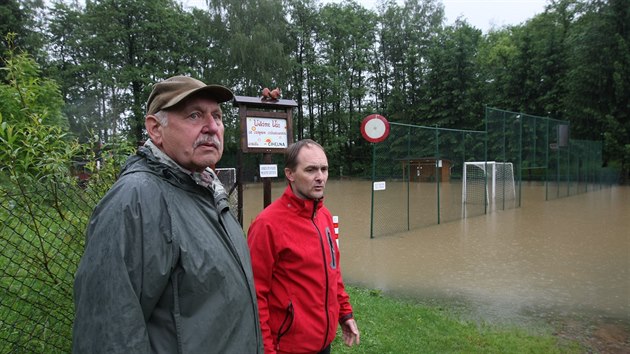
[(162, 117)]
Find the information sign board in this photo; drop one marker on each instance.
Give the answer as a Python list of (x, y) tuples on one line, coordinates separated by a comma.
[(267, 133)]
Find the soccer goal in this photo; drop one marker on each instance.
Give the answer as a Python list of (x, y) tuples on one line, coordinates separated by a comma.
[(489, 182)]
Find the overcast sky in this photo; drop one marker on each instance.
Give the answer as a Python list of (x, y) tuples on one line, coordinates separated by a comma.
[(483, 14)]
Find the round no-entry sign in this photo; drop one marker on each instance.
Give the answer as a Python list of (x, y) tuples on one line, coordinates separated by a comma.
[(375, 128)]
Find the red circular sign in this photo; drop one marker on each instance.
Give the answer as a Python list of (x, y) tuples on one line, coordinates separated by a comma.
[(375, 128)]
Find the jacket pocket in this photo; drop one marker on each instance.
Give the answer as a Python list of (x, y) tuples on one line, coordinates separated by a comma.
[(286, 324), (331, 247)]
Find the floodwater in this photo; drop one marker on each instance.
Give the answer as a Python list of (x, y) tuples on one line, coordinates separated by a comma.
[(569, 256)]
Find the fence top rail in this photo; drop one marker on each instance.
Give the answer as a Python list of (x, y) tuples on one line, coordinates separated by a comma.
[(526, 114), (437, 128)]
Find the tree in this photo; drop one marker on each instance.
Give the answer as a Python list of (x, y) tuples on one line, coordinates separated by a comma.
[(12, 18), (114, 51), (345, 41), (257, 45), (33, 131), (302, 28), (406, 35), (598, 79), (341, 62), (44, 210), (497, 54), (24, 18), (453, 89)]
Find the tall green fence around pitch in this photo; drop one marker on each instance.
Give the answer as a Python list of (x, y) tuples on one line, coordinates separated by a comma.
[(542, 150), (417, 176), (426, 175)]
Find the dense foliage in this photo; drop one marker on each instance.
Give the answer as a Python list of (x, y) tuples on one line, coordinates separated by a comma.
[(44, 208), (340, 62)]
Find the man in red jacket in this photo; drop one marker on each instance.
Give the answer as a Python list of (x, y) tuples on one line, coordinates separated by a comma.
[(301, 295)]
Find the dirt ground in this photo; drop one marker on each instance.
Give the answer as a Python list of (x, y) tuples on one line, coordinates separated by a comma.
[(600, 336)]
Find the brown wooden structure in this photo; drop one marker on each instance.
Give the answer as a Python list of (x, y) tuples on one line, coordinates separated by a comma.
[(270, 112), (426, 169)]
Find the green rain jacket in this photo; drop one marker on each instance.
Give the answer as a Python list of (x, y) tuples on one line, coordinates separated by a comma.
[(166, 269)]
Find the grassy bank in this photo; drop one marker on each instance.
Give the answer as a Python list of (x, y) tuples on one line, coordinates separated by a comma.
[(390, 325)]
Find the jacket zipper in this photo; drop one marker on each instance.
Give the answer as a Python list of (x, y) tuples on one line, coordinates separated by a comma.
[(321, 242)]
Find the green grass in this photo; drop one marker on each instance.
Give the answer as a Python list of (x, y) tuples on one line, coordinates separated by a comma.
[(389, 325)]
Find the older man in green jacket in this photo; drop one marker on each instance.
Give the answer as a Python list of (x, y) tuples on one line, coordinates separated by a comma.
[(166, 267)]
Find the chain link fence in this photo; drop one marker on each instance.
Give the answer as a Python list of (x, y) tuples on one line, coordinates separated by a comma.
[(425, 175), (542, 150), (418, 173), (42, 237), (42, 228)]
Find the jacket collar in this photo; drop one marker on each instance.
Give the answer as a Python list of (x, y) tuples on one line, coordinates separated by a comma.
[(204, 178), (161, 164), (145, 161), (304, 207)]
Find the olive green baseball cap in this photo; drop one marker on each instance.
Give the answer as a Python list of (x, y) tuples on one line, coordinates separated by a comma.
[(168, 93)]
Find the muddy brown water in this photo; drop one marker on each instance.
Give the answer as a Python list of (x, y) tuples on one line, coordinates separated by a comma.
[(565, 257)]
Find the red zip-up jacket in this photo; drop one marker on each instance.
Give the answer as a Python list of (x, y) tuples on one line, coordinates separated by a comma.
[(300, 292)]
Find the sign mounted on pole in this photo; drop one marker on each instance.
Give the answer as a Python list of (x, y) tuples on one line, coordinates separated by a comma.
[(266, 128), (375, 128), (266, 125)]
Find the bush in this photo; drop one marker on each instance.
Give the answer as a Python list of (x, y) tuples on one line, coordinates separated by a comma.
[(43, 213)]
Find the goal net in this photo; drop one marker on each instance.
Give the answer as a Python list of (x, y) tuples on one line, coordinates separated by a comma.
[(489, 182), (227, 176)]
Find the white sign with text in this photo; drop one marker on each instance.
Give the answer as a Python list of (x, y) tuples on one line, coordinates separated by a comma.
[(268, 171), (379, 186), (267, 133)]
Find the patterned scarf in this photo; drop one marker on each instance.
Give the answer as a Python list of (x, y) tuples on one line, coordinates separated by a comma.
[(207, 178)]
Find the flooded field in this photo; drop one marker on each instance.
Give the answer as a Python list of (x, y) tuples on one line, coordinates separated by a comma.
[(565, 258)]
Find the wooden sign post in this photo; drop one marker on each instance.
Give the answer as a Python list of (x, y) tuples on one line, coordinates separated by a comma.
[(267, 128)]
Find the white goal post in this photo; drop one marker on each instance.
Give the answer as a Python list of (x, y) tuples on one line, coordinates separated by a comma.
[(488, 182)]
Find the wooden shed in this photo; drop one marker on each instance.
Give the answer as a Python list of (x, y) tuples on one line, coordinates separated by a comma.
[(426, 169)]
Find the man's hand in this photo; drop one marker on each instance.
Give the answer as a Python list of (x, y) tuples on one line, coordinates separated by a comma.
[(350, 332)]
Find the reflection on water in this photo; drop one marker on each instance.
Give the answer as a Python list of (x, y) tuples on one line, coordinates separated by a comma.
[(569, 255)]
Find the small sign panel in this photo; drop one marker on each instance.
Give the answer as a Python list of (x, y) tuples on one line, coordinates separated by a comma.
[(267, 133), (268, 171), (379, 186)]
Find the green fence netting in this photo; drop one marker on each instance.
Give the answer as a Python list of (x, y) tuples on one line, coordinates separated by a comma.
[(42, 228), (418, 173), (42, 237), (541, 149), (426, 175)]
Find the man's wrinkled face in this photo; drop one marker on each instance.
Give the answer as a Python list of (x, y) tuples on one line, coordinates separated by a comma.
[(308, 180), (193, 136)]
